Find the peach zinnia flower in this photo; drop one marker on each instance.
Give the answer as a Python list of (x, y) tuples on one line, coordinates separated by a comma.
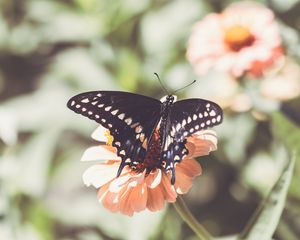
[(134, 191), (243, 39)]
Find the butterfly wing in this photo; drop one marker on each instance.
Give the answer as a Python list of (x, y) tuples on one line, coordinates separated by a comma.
[(187, 117), (130, 118)]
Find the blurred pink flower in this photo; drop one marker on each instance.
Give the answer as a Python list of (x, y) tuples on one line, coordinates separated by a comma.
[(243, 39), (283, 86), (134, 191)]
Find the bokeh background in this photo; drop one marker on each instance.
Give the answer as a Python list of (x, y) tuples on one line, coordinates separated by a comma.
[(51, 50)]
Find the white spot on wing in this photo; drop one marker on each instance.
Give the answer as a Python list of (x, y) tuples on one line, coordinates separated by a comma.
[(114, 112), (128, 121), (122, 152), (138, 129), (121, 116), (212, 113), (128, 160), (85, 100), (107, 108)]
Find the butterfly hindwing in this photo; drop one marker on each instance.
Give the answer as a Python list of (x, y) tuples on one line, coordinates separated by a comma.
[(129, 117)]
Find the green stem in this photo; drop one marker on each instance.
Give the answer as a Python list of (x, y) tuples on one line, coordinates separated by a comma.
[(188, 217)]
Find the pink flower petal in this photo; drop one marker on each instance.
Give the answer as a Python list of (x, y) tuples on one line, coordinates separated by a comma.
[(190, 167), (119, 183), (167, 189), (138, 197), (125, 204), (154, 178), (136, 179), (155, 201), (204, 142), (183, 183)]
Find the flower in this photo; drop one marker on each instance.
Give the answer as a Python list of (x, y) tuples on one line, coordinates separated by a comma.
[(283, 86), (243, 39), (136, 190)]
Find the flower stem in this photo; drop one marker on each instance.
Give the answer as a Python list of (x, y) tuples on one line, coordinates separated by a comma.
[(188, 217)]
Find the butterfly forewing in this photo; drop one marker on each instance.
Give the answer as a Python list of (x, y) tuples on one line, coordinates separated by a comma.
[(130, 118), (187, 117), (192, 115)]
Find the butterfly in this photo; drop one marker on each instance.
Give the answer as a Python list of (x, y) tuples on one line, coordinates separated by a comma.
[(132, 120)]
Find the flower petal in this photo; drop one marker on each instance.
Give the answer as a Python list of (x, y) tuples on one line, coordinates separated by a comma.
[(154, 178), (183, 183), (204, 141), (120, 182), (100, 134), (167, 189), (125, 204), (136, 179), (111, 200), (103, 152), (102, 191), (98, 175), (138, 197), (189, 167), (155, 201)]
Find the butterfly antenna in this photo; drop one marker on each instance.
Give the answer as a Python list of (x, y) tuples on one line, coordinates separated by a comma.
[(161, 83), (184, 86)]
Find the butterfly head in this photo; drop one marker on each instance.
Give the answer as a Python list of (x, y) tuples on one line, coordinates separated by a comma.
[(169, 99)]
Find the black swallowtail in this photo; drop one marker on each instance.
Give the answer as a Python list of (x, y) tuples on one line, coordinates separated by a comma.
[(133, 118)]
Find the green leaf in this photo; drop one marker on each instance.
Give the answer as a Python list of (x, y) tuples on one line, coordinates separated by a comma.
[(265, 220), (286, 131)]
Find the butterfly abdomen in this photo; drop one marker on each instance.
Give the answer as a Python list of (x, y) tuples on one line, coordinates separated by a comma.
[(151, 160)]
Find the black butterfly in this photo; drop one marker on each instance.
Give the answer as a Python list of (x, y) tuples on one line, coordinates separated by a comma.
[(133, 118)]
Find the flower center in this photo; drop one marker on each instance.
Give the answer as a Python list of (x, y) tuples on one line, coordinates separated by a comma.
[(109, 137), (238, 37)]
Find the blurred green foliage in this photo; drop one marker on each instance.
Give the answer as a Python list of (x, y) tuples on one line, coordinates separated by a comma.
[(52, 49)]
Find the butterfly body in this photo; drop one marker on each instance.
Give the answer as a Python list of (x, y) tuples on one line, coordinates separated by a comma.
[(143, 127)]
